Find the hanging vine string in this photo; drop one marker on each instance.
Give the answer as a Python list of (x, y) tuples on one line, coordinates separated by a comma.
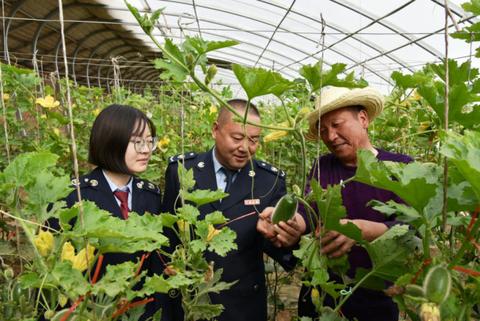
[(445, 161), (4, 112), (70, 115)]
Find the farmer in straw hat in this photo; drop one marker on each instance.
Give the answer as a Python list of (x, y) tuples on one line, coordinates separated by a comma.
[(341, 119)]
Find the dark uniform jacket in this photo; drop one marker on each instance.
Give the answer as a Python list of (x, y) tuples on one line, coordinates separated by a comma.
[(146, 197), (246, 300)]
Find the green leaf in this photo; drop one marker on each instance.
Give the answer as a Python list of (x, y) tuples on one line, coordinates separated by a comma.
[(418, 184), (156, 283), (259, 82), (201, 196), (138, 233), (168, 220), (314, 262), (403, 212), (215, 218), (185, 177), (223, 242), (46, 188), (464, 152), (202, 46), (318, 78), (390, 252), (174, 62), (179, 280), (205, 311), (188, 213), (71, 280), (25, 167), (430, 84), (116, 280), (331, 209), (146, 22)]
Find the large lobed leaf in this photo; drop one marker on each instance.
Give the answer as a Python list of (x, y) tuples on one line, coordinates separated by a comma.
[(331, 210), (464, 90), (138, 233), (259, 82), (391, 252), (318, 78), (418, 184)]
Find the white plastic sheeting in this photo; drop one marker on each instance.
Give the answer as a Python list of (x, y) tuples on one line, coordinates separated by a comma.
[(372, 37)]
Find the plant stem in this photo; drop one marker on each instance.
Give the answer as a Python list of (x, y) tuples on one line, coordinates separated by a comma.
[(345, 298)]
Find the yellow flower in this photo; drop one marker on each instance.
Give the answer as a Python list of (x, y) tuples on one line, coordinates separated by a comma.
[(162, 143), (6, 97), (84, 258), (68, 252), (56, 131), (303, 112), (96, 111), (212, 231), (315, 294), (275, 135), (416, 96), (213, 109), (183, 225), (44, 242), (47, 102), (79, 261)]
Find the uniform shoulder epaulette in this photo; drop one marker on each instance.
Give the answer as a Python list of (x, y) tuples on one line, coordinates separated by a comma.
[(270, 168), (84, 181), (181, 157), (147, 186)]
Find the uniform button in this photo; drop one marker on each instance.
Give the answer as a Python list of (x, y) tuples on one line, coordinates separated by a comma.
[(255, 287)]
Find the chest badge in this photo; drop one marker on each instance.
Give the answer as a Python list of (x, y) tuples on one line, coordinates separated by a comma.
[(253, 201)]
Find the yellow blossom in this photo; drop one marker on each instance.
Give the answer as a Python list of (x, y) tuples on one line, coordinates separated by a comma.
[(96, 111), (44, 242), (84, 258), (275, 135), (56, 131), (163, 142), (79, 261), (6, 96), (315, 294), (416, 96), (213, 109), (212, 231), (68, 252), (303, 112), (183, 225), (47, 102)]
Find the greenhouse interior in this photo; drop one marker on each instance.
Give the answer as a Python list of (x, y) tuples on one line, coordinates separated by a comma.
[(267, 160)]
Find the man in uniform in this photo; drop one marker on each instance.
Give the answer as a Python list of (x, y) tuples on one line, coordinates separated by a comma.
[(252, 185)]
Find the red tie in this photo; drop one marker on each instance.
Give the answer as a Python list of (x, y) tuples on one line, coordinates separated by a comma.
[(123, 197)]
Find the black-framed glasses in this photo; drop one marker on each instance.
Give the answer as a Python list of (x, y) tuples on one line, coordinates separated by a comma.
[(140, 144)]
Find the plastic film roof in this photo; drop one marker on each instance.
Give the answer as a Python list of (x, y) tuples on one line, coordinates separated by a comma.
[(373, 38)]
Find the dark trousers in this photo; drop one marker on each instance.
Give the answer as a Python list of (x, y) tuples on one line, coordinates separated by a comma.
[(363, 304)]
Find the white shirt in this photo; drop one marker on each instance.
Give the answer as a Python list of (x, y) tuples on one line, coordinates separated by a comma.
[(219, 174), (125, 188)]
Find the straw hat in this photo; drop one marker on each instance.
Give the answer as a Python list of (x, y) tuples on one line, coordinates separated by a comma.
[(334, 98)]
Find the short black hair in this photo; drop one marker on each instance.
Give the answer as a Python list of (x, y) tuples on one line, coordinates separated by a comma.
[(111, 133), (239, 105)]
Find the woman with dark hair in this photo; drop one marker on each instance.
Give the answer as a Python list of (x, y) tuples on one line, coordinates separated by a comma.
[(122, 140)]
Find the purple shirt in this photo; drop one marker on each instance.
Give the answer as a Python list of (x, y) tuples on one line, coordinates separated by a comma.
[(356, 196)]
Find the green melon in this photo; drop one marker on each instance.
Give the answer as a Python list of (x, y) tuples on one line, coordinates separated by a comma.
[(285, 208)]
